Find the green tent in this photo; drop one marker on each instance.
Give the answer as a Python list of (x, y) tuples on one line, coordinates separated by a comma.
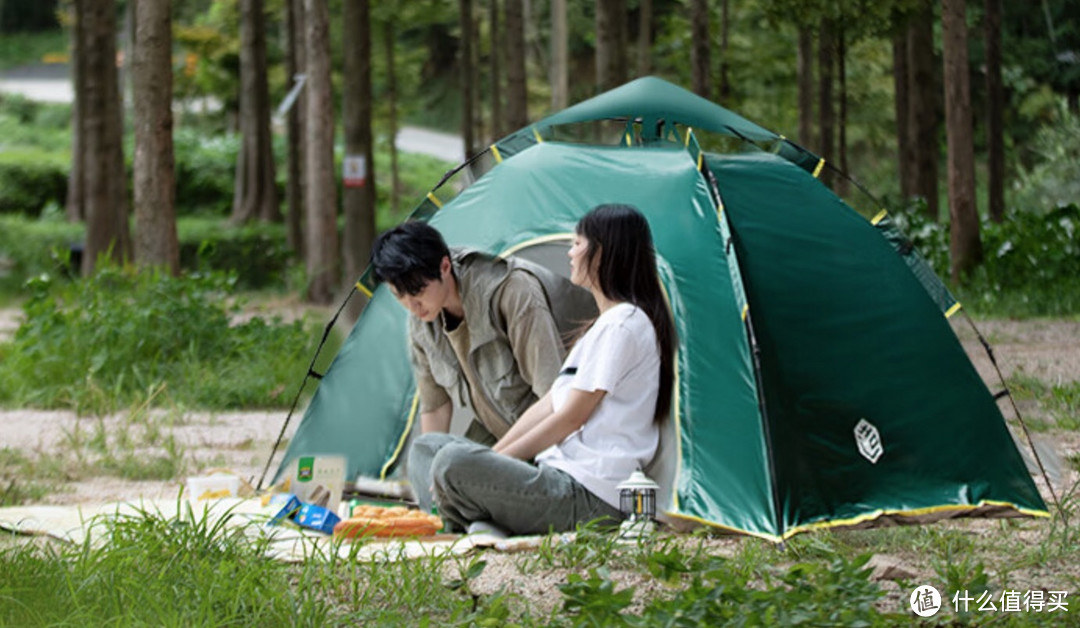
[(819, 382)]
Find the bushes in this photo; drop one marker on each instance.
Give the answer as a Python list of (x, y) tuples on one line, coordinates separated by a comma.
[(31, 178), (103, 342), (1031, 261)]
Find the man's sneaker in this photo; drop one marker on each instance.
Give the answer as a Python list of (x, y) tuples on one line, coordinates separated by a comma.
[(488, 528)]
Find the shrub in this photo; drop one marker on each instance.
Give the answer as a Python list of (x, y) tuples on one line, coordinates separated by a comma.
[(31, 247), (205, 172), (255, 252), (100, 343), (31, 178)]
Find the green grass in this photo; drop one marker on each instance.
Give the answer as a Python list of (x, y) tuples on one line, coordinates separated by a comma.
[(1060, 402)]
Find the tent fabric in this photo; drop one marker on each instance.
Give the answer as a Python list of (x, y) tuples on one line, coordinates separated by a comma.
[(818, 380)]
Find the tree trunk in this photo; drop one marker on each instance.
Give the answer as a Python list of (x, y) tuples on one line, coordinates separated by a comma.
[(107, 230), (560, 75), (805, 71), (323, 272), (965, 247), (294, 181), (644, 47), (840, 184), (610, 44), (700, 64), (390, 42), (155, 180), (924, 120), (517, 115), (905, 149), (995, 105), (474, 69), (257, 197), (465, 50), (826, 62), (725, 27), (359, 199), (76, 192), (497, 48)]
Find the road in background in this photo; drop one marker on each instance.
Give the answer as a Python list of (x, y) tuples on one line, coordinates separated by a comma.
[(51, 83)]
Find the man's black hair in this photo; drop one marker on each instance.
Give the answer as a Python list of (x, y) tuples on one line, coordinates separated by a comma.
[(408, 256)]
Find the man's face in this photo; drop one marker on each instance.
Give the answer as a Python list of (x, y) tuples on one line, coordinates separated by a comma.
[(431, 299)]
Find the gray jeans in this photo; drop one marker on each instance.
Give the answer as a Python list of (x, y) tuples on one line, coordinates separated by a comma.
[(473, 483)]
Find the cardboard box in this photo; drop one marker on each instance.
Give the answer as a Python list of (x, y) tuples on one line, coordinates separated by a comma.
[(317, 518)]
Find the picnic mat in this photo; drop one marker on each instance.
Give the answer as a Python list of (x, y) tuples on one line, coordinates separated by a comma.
[(288, 543)]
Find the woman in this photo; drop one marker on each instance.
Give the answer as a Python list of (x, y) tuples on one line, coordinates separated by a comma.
[(600, 420)]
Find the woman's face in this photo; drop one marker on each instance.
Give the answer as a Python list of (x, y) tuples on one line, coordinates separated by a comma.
[(580, 275)]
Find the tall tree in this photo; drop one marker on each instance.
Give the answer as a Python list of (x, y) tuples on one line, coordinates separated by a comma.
[(560, 75), (322, 252), (644, 46), (497, 46), (390, 43), (805, 80), (841, 183), (725, 27), (995, 116), (155, 180), (901, 103), (256, 190), (610, 44), (107, 228), (826, 119), (924, 119), (76, 192), (294, 164), (517, 96), (700, 63), (468, 125), (359, 195), (965, 246)]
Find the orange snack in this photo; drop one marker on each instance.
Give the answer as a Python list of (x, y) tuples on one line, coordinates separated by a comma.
[(387, 522)]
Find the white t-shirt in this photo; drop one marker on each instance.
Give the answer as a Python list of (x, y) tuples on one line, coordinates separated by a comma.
[(619, 355)]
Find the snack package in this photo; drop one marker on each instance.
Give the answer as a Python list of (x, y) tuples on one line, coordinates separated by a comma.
[(381, 521)]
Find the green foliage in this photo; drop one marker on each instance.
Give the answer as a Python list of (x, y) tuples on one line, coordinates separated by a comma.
[(102, 342), (205, 171), (18, 49), (1054, 179), (835, 593), (150, 569), (1031, 264), (255, 252), (31, 178)]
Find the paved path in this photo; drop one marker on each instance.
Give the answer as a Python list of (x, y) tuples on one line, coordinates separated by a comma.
[(51, 83)]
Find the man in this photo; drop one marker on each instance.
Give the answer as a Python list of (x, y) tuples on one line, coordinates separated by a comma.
[(482, 334)]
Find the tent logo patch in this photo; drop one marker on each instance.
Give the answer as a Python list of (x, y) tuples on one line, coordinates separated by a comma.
[(869, 440)]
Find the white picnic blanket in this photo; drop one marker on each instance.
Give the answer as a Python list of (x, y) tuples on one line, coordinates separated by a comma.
[(288, 542)]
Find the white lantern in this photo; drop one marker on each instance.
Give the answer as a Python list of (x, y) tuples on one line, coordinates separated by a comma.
[(637, 502)]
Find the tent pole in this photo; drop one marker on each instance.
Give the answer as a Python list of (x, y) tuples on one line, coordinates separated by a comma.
[(310, 373), (1023, 425)]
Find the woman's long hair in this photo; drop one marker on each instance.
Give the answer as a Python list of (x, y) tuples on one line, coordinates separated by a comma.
[(626, 271)]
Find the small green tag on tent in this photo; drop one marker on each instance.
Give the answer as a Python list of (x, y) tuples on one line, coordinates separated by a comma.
[(305, 469)]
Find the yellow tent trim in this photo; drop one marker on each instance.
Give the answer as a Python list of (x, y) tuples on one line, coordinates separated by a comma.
[(700, 160), (880, 216), (362, 288), (554, 237), (404, 437), (629, 140), (917, 512), (495, 151), (689, 132), (820, 165), (952, 310), (745, 310), (431, 197), (536, 134)]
